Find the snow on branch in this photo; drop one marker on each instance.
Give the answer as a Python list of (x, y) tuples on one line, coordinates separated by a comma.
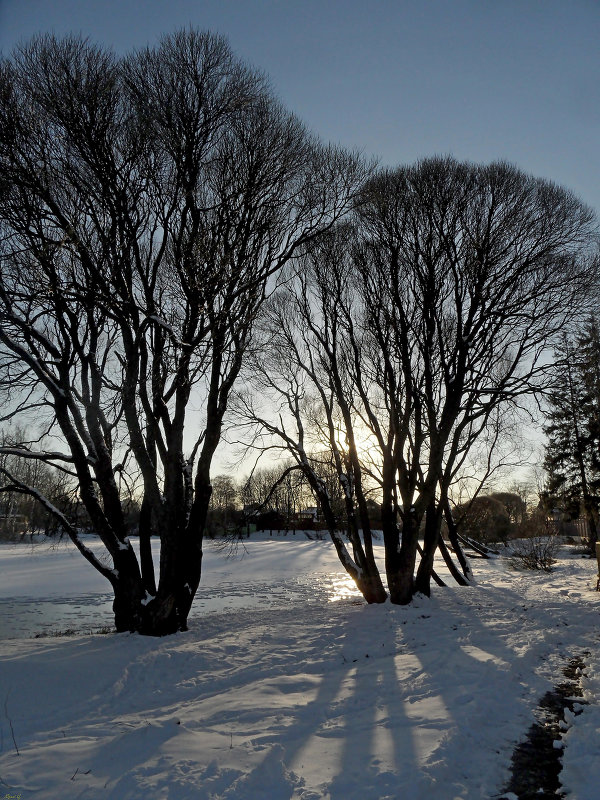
[(40, 455), (169, 328)]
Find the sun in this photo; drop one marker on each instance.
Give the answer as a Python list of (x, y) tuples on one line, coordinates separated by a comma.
[(364, 441)]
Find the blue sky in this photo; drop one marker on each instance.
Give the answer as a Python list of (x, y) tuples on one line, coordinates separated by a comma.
[(479, 79)]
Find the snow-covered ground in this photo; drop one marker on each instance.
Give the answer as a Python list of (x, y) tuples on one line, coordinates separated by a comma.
[(288, 687)]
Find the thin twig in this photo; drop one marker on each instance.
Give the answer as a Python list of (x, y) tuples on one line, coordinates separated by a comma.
[(12, 732)]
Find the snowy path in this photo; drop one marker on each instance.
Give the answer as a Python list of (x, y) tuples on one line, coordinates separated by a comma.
[(291, 697)]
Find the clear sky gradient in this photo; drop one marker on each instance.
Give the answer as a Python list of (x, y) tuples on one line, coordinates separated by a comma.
[(480, 79)]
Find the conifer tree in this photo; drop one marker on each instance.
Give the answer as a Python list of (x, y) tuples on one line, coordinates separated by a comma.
[(572, 458)]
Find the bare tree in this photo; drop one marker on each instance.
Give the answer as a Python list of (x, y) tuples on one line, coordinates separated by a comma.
[(145, 205), (223, 501), (278, 490), (19, 512), (469, 274), (425, 321), (303, 371)]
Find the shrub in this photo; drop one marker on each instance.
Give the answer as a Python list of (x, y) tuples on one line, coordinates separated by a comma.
[(536, 552)]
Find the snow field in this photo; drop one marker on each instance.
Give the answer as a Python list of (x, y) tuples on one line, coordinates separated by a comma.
[(282, 693)]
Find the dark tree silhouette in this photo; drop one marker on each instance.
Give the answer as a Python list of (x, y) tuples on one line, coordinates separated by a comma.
[(145, 204), (424, 321), (469, 273)]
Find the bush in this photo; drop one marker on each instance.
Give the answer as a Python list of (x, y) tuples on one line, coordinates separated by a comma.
[(537, 552)]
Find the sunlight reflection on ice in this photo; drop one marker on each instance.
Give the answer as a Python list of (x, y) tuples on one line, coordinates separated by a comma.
[(81, 612), (342, 588)]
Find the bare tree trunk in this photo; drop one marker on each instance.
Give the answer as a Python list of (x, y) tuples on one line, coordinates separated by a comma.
[(128, 605), (433, 520), (364, 573), (400, 554), (456, 574), (454, 540), (145, 536)]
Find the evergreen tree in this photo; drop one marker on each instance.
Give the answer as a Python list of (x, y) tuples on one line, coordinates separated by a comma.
[(589, 353), (572, 456)]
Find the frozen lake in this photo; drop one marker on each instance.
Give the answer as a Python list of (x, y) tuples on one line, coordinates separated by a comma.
[(30, 574)]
